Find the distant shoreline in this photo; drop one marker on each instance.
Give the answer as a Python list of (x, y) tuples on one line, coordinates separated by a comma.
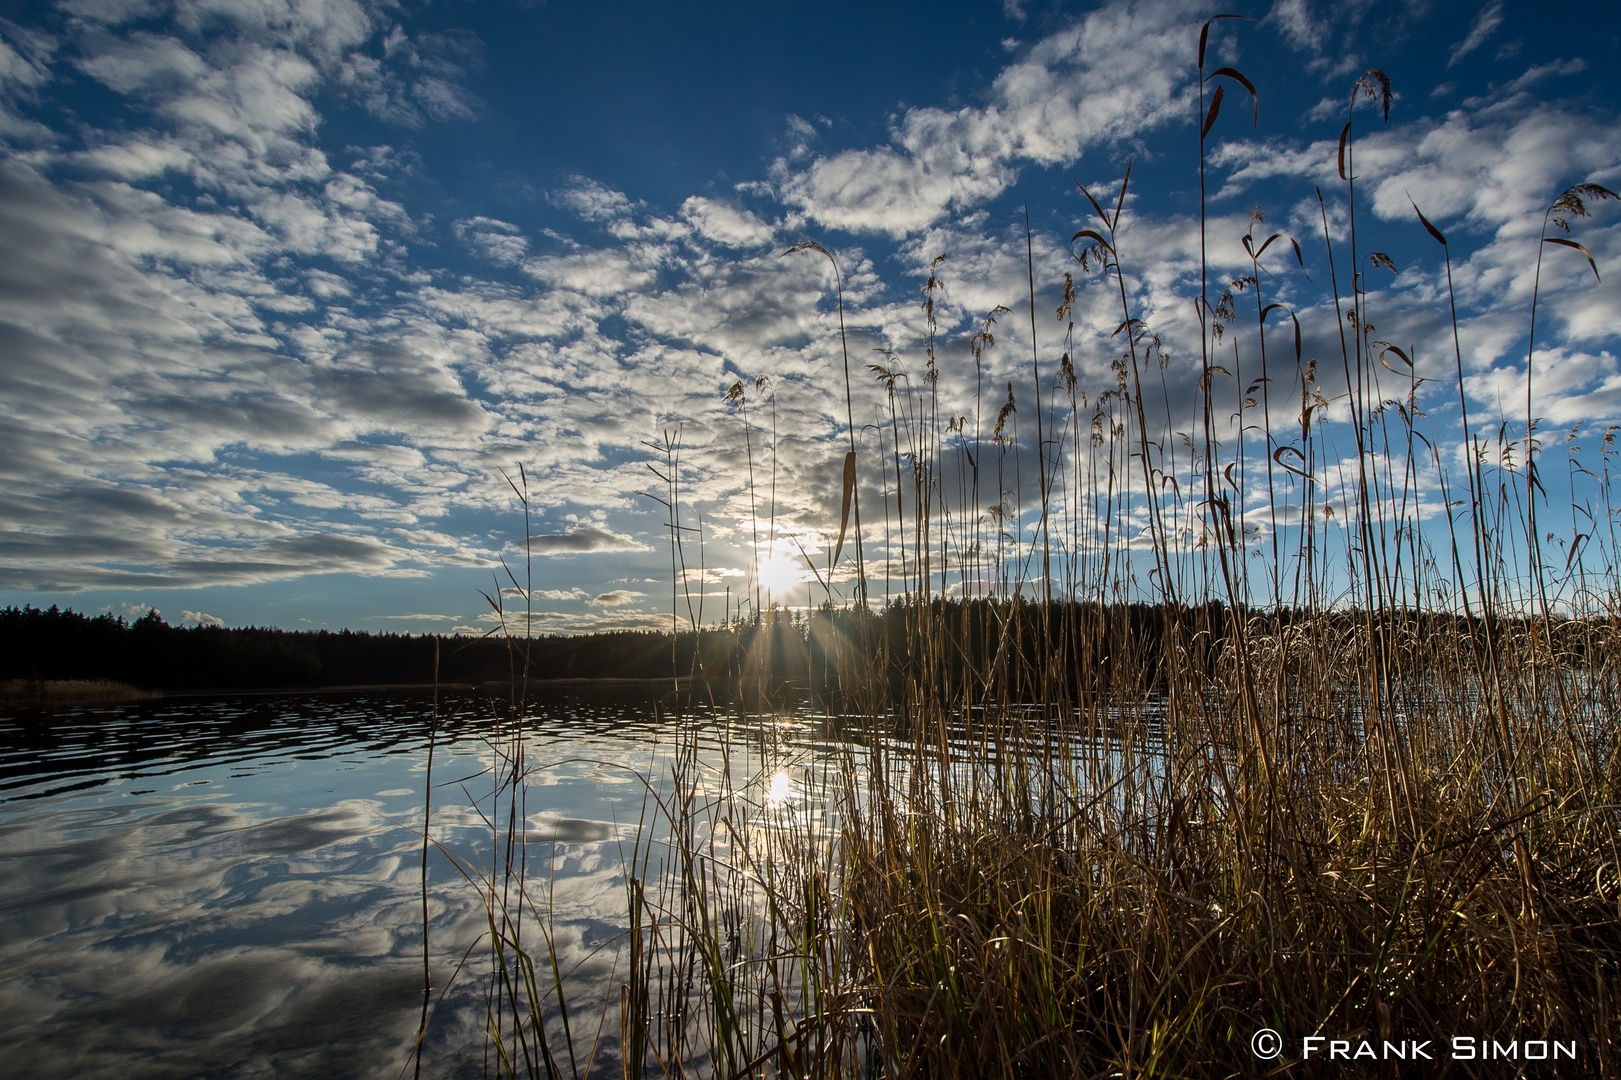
[(71, 692), (50, 692), (444, 687)]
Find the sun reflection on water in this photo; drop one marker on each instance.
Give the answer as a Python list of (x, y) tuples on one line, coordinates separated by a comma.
[(779, 788)]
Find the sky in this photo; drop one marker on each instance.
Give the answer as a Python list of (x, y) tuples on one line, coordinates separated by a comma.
[(291, 290)]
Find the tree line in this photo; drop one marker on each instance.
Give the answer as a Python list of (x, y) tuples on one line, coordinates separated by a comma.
[(1091, 648), (55, 643)]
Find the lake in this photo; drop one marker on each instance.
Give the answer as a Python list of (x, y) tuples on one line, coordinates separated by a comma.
[(232, 886)]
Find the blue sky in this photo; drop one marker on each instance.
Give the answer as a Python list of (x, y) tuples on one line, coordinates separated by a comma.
[(286, 285)]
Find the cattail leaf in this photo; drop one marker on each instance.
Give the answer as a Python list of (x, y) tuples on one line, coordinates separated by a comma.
[(810, 564), (1238, 77), (1094, 236), (849, 492), (1277, 456), (514, 487), (1228, 473), (1210, 117), (1270, 308), (1433, 231), (1101, 215), (1575, 548), (1345, 137), (1562, 242), (1265, 245), (1204, 33), (1385, 348), (1121, 201)]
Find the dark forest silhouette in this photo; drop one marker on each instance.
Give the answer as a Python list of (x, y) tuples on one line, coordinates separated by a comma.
[(53, 644), (1091, 648)]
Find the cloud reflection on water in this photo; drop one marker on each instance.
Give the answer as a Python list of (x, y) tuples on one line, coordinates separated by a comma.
[(267, 920)]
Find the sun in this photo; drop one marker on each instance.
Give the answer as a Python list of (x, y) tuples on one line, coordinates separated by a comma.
[(781, 577)]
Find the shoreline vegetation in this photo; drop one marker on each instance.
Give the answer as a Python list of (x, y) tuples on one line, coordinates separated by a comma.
[(781, 657), (54, 645), (1356, 782), (56, 693), (52, 693)]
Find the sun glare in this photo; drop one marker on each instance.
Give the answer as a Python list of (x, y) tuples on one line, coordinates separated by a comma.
[(781, 577)]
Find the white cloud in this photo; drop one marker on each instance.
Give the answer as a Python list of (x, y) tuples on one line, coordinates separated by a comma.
[(1327, 107), (56, 563), (414, 81), (1497, 167), (1570, 385), (499, 242), (1540, 72), (585, 539), (163, 326), (615, 598), (602, 271), (1487, 20), (592, 201), (725, 224), (24, 66), (200, 618), (1294, 20), (1116, 73)]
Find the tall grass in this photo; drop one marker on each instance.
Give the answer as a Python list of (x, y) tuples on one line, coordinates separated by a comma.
[(1279, 722)]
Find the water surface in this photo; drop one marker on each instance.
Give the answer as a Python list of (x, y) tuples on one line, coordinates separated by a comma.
[(231, 887)]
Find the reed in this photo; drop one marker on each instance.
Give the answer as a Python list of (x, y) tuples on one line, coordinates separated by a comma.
[(37, 693), (1103, 800)]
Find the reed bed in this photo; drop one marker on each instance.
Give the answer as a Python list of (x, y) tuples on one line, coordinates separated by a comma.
[(40, 693), (1294, 720)]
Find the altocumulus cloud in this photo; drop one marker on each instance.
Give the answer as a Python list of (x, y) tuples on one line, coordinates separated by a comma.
[(583, 540), (248, 385), (1114, 74), (234, 354), (616, 598), (150, 336)]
